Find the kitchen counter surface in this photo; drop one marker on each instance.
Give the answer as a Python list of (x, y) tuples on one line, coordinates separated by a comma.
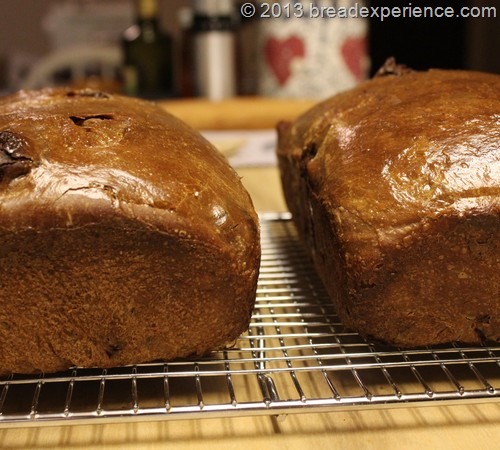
[(453, 427)]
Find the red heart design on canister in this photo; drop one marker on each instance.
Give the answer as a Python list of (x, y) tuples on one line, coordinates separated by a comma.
[(279, 55), (354, 53)]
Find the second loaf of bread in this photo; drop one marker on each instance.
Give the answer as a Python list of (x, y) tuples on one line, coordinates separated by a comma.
[(395, 189)]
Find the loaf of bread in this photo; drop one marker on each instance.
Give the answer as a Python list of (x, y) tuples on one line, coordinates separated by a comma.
[(125, 237), (394, 187)]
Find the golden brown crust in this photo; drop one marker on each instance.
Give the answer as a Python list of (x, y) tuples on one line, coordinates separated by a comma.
[(399, 183), (125, 236)]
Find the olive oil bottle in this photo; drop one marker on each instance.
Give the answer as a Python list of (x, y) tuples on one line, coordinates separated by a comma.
[(148, 56)]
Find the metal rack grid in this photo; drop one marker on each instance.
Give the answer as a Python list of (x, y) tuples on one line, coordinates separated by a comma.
[(295, 357)]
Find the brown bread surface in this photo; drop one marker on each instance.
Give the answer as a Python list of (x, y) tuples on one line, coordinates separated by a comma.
[(125, 237), (395, 189)]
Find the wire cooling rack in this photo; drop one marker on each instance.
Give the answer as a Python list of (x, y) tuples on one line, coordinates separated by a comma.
[(295, 357)]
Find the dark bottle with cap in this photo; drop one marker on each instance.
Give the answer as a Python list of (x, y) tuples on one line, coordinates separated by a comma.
[(214, 40), (147, 52)]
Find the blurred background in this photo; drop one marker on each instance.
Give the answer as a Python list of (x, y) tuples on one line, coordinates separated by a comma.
[(206, 48)]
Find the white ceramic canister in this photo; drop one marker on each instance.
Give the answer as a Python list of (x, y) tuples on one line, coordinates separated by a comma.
[(311, 49)]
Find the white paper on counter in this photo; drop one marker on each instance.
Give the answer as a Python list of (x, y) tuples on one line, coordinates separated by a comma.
[(245, 148)]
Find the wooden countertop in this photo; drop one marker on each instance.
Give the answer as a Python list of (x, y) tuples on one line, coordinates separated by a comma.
[(460, 426), (238, 113), (451, 427)]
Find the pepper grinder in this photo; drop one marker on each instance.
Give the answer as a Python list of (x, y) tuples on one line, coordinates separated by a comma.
[(214, 51)]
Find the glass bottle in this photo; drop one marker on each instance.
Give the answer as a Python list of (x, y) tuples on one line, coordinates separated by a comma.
[(148, 57)]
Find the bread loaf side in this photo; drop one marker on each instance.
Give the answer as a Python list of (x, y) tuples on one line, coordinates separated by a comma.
[(125, 237), (395, 189)]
